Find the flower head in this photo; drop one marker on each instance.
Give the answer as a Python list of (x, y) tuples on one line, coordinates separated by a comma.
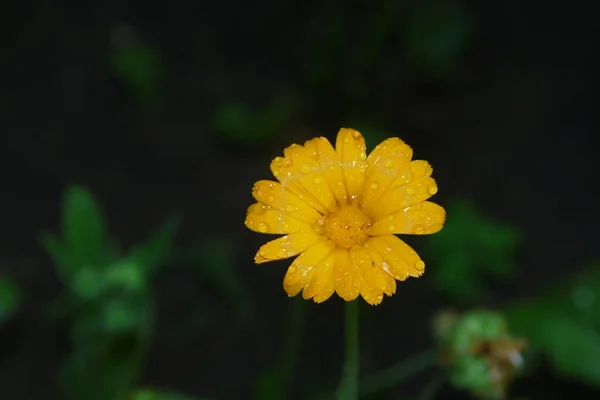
[(340, 211)]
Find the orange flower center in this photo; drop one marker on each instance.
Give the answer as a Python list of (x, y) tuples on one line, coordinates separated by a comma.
[(348, 226)]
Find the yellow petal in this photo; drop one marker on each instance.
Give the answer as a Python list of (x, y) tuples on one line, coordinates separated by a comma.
[(347, 281), (398, 259), (286, 246), (332, 168), (352, 151), (388, 163), (372, 278), (299, 172), (321, 287), (301, 272), (399, 197), (389, 279), (279, 198), (264, 219), (420, 219)]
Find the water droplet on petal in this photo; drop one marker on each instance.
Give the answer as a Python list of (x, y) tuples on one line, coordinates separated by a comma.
[(392, 228), (389, 163), (290, 208), (374, 185), (282, 253), (292, 269), (362, 155), (346, 140), (420, 265), (432, 189), (356, 135), (264, 228), (318, 180), (410, 190), (418, 229), (305, 168)]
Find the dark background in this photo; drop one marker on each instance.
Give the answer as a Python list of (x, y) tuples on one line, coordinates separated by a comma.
[(511, 126)]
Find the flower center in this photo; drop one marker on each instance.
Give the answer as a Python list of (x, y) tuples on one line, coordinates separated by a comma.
[(348, 226)]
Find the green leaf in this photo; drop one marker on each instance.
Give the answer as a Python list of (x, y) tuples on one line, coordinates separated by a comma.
[(154, 253), (10, 298), (470, 249), (84, 231)]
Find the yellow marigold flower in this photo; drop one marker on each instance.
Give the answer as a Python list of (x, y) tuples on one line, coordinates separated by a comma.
[(340, 210)]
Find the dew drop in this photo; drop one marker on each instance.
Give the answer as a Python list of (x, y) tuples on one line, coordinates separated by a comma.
[(356, 135), (420, 265), (262, 252), (292, 269), (318, 180), (263, 227), (285, 227), (271, 199), (418, 229), (346, 140), (340, 183), (305, 168), (282, 253), (432, 189), (362, 155), (290, 208), (389, 163), (392, 228), (374, 185), (410, 190)]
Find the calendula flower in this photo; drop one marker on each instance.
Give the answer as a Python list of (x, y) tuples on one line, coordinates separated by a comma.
[(340, 211)]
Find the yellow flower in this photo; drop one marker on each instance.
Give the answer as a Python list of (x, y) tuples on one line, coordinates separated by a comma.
[(340, 211)]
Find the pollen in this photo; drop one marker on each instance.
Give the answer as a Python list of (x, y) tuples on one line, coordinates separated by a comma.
[(347, 226)]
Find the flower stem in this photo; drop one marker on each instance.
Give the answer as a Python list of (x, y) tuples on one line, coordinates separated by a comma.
[(348, 389)]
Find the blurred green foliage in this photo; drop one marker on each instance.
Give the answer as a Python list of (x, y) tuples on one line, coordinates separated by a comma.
[(436, 37), (273, 383), (109, 302), (481, 354), (564, 324), (149, 394), (470, 249), (252, 126), (10, 298), (213, 261), (139, 67)]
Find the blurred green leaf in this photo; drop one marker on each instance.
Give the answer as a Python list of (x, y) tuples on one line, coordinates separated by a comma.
[(273, 383), (564, 324), (213, 260), (56, 250), (125, 275), (84, 231), (235, 121), (148, 394), (139, 66), (10, 298), (436, 38), (469, 249), (87, 283), (155, 252)]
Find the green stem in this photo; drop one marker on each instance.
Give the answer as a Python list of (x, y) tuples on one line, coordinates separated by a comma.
[(348, 389)]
